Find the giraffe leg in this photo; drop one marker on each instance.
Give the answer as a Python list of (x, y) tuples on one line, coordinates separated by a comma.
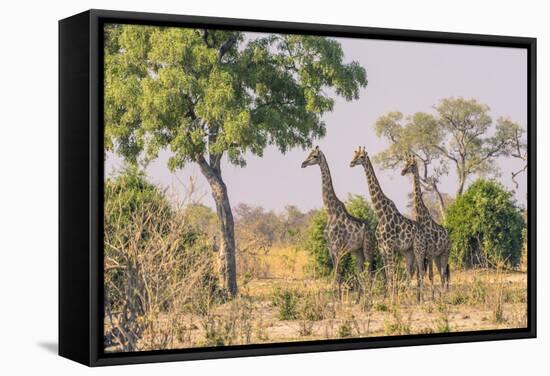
[(441, 270), (389, 272), (336, 257), (444, 262), (431, 275), (360, 260), (420, 254), (411, 267), (368, 254)]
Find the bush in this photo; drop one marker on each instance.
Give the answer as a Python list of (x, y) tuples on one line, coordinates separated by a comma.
[(130, 193), (316, 244), (287, 301), (485, 226), (315, 306), (155, 264)]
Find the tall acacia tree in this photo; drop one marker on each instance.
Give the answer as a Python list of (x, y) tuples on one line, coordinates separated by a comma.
[(460, 135), (420, 135), (204, 94)]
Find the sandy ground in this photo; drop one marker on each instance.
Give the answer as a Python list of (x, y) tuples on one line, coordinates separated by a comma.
[(478, 300)]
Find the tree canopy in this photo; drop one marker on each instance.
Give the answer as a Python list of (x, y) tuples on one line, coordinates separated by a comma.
[(460, 135), (485, 226), (210, 91), (204, 94)]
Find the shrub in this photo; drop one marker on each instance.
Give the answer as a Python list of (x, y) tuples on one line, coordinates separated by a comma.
[(395, 324), (287, 301), (344, 330), (316, 244), (443, 322), (315, 306), (485, 226), (155, 264), (231, 328), (130, 193)]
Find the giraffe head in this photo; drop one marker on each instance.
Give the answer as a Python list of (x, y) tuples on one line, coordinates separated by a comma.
[(313, 158), (359, 157), (410, 165)]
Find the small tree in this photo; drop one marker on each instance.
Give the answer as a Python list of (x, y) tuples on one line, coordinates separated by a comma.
[(485, 226), (207, 94), (316, 243)]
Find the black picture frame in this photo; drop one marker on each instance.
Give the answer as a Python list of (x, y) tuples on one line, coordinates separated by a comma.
[(81, 184)]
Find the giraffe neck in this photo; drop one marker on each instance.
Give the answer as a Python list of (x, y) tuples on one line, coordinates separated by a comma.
[(332, 204), (422, 212), (378, 198)]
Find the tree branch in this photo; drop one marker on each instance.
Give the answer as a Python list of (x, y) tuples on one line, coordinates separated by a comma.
[(446, 153), (205, 38), (514, 174), (226, 46)]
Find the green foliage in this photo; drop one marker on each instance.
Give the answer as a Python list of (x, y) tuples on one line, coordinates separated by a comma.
[(396, 324), (316, 243), (485, 226), (345, 329), (198, 91), (286, 300), (205, 94), (128, 194), (358, 207)]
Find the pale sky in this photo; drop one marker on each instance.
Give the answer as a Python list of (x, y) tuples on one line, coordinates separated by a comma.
[(403, 76)]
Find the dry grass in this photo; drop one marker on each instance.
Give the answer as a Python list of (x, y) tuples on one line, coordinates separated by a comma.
[(283, 262), (284, 304), (479, 300)]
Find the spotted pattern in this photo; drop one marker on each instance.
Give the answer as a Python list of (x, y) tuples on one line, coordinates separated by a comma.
[(395, 232), (344, 233), (437, 238)]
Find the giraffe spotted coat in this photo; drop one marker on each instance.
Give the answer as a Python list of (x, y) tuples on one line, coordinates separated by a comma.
[(344, 233), (437, 238), (395, 233)]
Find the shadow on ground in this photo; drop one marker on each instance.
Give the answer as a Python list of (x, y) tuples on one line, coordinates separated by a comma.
[(50, 347)]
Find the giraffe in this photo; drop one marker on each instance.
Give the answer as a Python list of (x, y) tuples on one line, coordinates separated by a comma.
[(438, 245), (395, 233), (344, 233)]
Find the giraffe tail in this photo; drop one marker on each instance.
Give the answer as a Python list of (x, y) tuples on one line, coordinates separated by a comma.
[(448, 274)]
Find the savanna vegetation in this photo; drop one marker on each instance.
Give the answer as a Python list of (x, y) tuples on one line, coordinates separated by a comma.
[(163, 288), (180, 274)]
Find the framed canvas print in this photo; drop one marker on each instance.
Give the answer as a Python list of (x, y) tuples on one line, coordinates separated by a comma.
[(235, 187)]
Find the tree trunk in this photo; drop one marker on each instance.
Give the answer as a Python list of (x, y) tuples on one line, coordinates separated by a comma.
[(228, 267), (461, 183), (441, 203)]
